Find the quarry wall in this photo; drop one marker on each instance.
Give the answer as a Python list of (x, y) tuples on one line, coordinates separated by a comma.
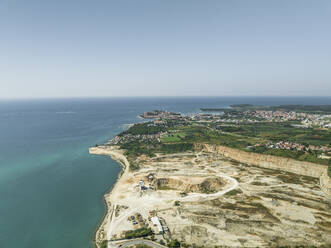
[(274, 162)]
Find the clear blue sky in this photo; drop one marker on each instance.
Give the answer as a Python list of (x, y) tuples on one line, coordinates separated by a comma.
[(64, 48)]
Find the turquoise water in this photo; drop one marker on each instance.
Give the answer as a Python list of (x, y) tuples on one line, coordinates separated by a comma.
[(51, 189)]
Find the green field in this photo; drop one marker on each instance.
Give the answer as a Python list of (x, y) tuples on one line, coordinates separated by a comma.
[(173, 137), (181, 138), (280, 131)]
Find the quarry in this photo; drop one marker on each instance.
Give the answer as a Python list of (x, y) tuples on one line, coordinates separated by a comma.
[(207, 198)]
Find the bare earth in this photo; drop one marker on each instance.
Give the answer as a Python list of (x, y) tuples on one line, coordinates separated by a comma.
[(218, 202)]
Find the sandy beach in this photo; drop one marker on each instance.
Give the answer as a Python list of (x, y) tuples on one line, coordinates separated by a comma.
[(116, 154)]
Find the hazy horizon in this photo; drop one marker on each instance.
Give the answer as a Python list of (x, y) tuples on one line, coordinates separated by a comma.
[(156, 96), (326, 98), (78, 49)]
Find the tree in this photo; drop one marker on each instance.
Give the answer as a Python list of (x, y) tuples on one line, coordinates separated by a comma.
[(174, 244), (104, 244)]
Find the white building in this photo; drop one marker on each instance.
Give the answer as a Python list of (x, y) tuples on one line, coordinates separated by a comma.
[(157, 223)]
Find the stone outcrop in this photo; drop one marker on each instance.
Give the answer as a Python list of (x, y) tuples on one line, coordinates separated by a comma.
[(207, 185), (325, 183), (274, 162)]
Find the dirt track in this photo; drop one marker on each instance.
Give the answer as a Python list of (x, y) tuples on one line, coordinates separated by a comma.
[(256, 206)]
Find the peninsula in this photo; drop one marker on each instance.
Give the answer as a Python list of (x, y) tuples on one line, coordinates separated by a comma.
[(253, 178)]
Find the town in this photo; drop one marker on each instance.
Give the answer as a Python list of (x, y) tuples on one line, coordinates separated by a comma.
[(159, 114), (170, 126), (167, 167)]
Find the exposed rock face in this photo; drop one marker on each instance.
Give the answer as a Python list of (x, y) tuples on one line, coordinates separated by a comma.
[(274, 162), (325, 183), (207, 185), (270, 207), (211, 185)]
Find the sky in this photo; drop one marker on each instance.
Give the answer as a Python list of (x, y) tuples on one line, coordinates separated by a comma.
[(98, 48)]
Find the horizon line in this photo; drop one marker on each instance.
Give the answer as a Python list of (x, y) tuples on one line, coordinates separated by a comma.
[(148, 96)]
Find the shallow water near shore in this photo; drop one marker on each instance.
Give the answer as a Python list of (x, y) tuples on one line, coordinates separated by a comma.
[(51, 188)]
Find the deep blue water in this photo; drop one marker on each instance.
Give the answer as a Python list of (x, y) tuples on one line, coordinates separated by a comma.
[(51, 189)]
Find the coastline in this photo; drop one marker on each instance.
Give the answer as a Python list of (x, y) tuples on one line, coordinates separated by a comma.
[(163, 202), (116, 154)]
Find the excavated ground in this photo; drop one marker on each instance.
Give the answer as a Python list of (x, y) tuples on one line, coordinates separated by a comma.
[(268, 208)]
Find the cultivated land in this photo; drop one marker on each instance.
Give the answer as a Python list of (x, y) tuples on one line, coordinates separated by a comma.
[(202, 194)]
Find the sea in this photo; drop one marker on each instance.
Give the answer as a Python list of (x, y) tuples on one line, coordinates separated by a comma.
[(51, 188)]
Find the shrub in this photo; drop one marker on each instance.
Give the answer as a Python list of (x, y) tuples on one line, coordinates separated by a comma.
[(141, 232), (104, 244), (174, 244)]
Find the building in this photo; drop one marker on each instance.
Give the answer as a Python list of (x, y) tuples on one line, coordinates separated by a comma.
[(157, 223), (143, 188)]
